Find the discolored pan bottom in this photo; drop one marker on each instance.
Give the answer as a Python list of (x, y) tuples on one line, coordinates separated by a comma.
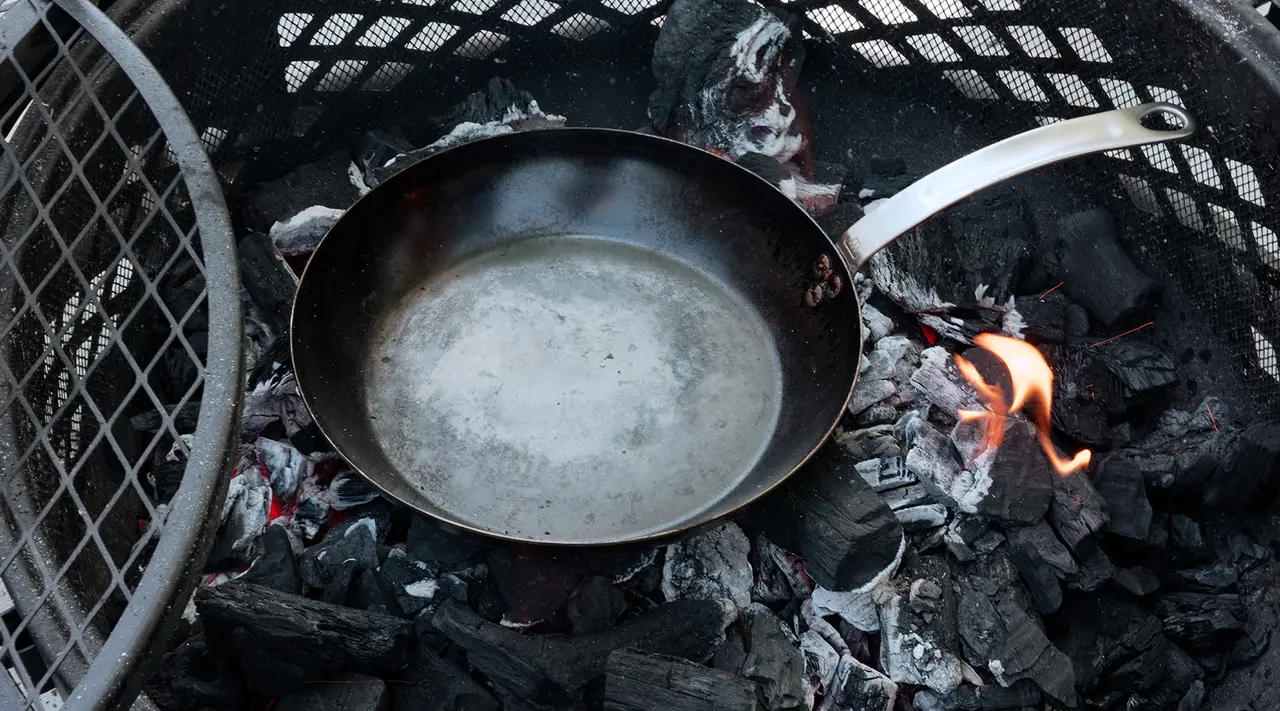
[(573, 389)]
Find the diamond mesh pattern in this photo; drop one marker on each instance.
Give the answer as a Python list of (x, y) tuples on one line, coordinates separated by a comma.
[(104, 318), (1197, 211)]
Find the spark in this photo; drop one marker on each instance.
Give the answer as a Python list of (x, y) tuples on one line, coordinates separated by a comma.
[(1215, 422), (1122, 335), (1050, 291)]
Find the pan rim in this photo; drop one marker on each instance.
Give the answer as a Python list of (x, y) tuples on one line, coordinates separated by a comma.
[(649, 539)]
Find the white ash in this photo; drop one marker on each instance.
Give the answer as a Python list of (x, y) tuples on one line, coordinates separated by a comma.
[(276, 398), (712, 566), (356, 176), (857, 608), (914, 654), (858, 687), (301, 233), (906, 496), (922, 518), (367, 524), (813, 620), (286, 466), (939, 380), (903, 289), (247, 507), (933, 460), (869, 392), (423, 588), (875, 324), (885, 473), (882, 362)]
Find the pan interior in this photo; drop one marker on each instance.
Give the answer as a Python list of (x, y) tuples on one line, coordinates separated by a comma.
[(570, 388)]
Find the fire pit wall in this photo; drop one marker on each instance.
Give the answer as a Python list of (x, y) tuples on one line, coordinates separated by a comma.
[(1147, 277)]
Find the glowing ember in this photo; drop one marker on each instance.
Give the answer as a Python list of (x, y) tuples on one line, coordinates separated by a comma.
[(1031, 378)]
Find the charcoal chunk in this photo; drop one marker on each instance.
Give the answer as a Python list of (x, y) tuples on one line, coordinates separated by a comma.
[(430, 543), (829, 516), (439, 685), (268, 279), (1144, 369), (1051, 318), (344, 692), (1208, 578), (771, 660), (858, 687), (1124, 489), (596, 606), (190, 677), (917, 620), (1250, 473), (281, 640), (553, 669), (1077, 513), (326, 182), (323, 560), (276, 567), (1021, 695), (637, 681), (1089, 253), (1202, 622), (1137, 580), (1187, 539), (712, 566), (1194, 697), (336, 591), (1041, 560)]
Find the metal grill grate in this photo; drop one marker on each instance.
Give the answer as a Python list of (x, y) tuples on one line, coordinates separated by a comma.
[(321, 72), (104, 261)]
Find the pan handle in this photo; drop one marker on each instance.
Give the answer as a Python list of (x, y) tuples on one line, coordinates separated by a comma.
[(998, 162)]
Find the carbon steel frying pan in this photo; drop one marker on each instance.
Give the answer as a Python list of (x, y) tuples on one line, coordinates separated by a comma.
[(583, 336)]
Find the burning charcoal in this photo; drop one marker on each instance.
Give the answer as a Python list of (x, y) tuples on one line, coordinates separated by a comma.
[(321, 562), (858, 687), (988, 542), (376, 149), (344, 692), (1021, 695), (1124, 489), (552, 669), (885, 474), (771, 659), (1078, 513), (1137, 580), (1084, 392), (1013, 486), (282, 640), (820, 662), (652, 682), (725, 72), (349, 490), (712, 566), (1002, 637), (940, 381), (439, 684), (876, 324), (1144, 369), (301, 233), (430, 543), (1041, 560), (326, 182), (925, 517), (871, 443), (244, 516), (268, 279), (1051, 319), (919, 643), (869, 392), (906, 496), (1096, 271), (1202, 622), (596, 606), (414, 586), (830, 517), (276, 567)]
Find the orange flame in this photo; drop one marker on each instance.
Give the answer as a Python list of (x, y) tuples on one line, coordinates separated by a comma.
[(1031, 377)]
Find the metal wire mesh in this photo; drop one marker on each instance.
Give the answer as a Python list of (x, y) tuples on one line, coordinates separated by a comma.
[(316, 74), (107, 316)]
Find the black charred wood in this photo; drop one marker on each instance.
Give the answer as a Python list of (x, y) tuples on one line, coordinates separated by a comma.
[(321, 562), (1085, 393), (1042, 561), (338, 588), (992, 237), (1202, 622), (829, 516), (344, 692), (771, 660), (430, 543), (651, 682), (326, 182), (1097, 272), (277, 567), (268, 279), (551, 670), (1124, 489), (281, 640), (596, 605), (184, 420), (439, 684), (1136, 580), (1250, 476), (1260, 622), (372, 592), (1186, 538), (493, 104), (413, 586), (1214, 578), (1077, 513), (1095, 570), (191, 677), (992, 697), (1051, 319), (1144, 369)]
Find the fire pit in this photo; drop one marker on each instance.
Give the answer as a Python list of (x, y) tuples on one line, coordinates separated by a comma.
[(1054, 485)]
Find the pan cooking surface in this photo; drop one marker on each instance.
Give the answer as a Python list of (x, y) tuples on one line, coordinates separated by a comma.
[(573, 388)]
